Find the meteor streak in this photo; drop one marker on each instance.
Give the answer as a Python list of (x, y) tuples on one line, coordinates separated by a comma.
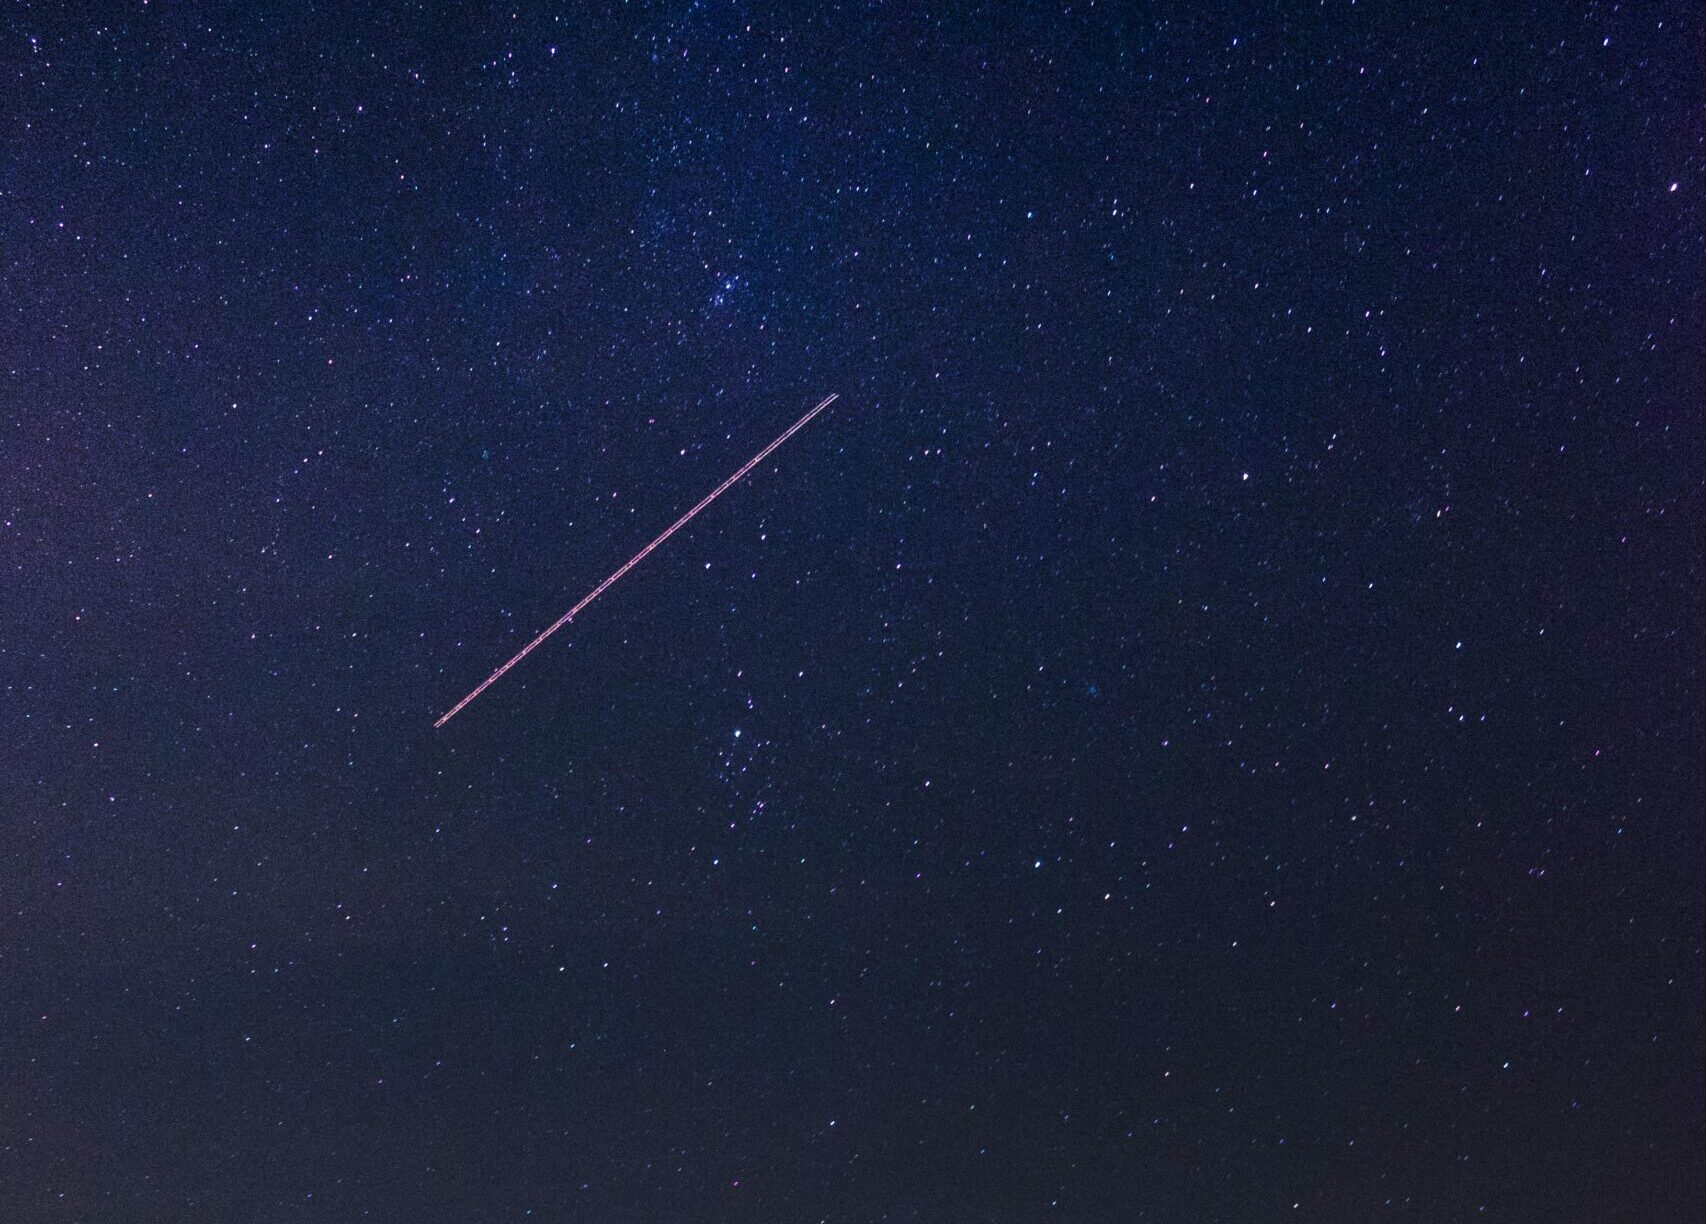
[(638, 557)]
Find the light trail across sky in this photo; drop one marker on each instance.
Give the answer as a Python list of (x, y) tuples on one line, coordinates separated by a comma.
[(638, 557)]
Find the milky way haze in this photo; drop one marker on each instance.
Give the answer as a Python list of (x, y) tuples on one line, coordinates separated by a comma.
[(1208, 729)]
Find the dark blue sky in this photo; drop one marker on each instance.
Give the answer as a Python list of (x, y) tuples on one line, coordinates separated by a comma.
[(1206, 728)]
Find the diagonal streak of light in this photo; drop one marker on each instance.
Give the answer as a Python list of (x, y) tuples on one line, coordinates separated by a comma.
[(638, 557)]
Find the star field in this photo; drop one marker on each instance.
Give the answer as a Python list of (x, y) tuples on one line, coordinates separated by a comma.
[(1207, 727)]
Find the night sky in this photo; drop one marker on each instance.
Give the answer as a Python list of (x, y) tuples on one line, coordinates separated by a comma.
[(1207, 727)]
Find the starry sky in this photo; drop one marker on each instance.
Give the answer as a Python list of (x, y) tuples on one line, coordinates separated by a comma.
[(1206, 728)]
